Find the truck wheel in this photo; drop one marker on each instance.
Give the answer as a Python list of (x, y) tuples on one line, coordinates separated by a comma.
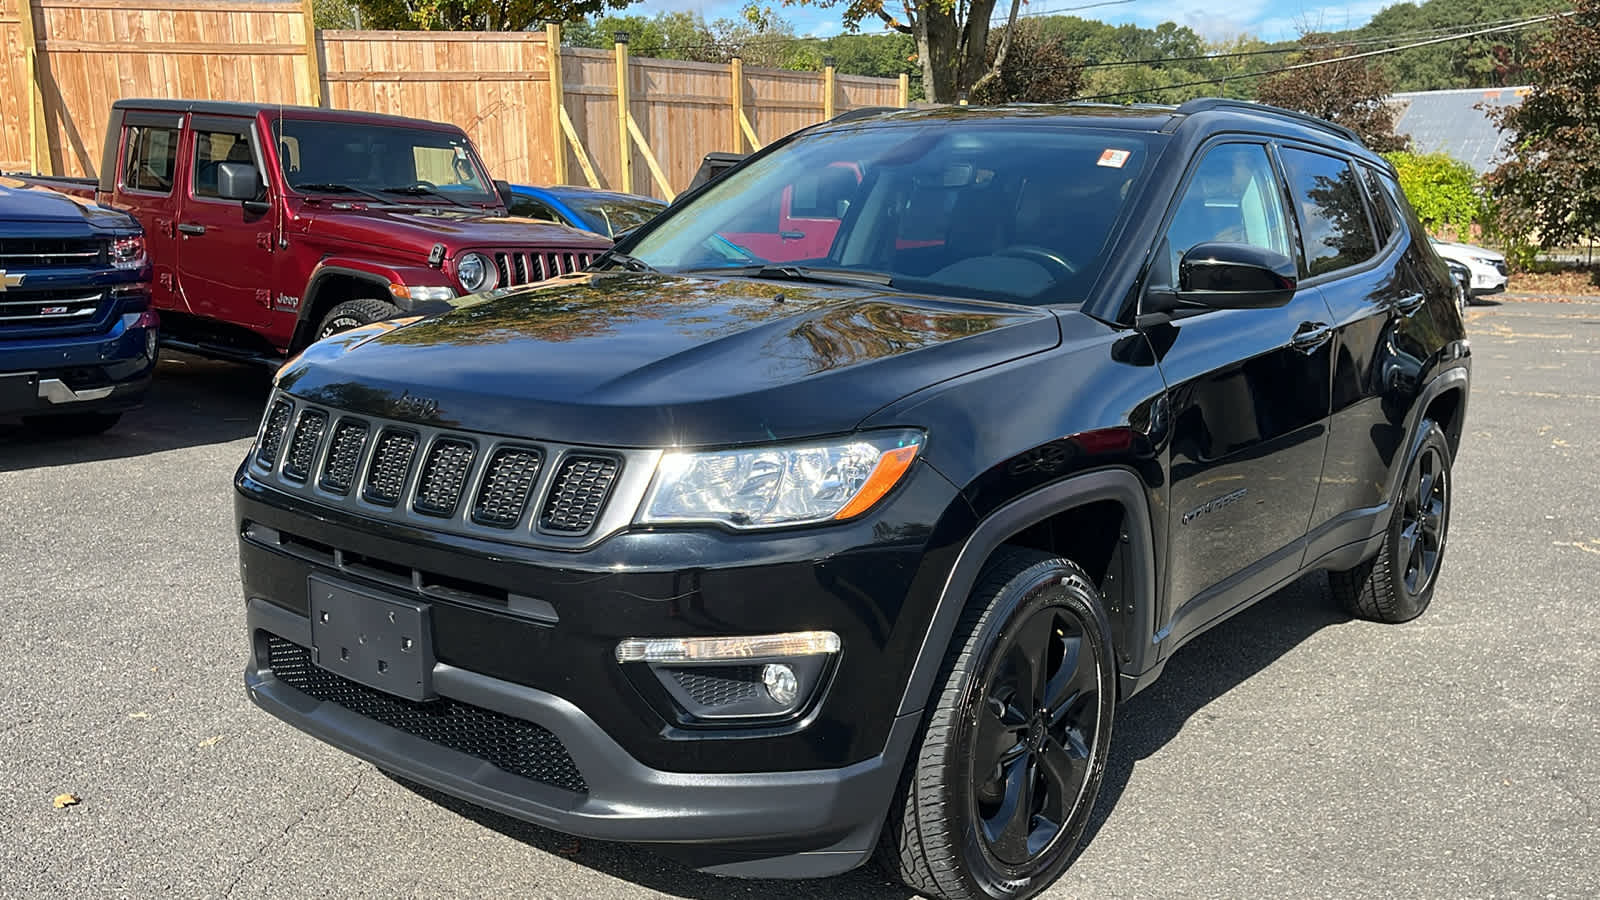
[(72, 424), (1397, 584), (995, 799), (354, 314)]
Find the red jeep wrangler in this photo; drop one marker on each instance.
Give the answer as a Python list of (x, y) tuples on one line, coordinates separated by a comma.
[(271, 226)]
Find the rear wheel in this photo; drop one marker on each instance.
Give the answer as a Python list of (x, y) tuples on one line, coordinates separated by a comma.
[(72, 424), (995, 800), (354, 314), (1397, 584)]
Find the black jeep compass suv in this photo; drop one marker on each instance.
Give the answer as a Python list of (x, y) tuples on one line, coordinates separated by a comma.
[(835, 510)]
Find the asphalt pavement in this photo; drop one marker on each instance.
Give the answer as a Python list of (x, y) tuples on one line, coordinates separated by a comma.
[(1290, 752)]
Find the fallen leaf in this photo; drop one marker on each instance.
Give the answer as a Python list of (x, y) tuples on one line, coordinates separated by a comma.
[(139, 715), (210, 742), (63, 801), (570, 847)]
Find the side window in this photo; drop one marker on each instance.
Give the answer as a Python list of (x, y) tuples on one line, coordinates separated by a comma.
[(825, 195), (212, 148), (1333, 218), (151, 156), (528, 208), (1232, 197), (1383, 205)]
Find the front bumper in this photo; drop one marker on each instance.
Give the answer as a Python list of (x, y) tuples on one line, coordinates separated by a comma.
[(803, 799), (1487, 280), (89, 373)]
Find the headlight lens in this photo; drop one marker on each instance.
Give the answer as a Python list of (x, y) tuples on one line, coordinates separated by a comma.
[(127, 252), (1484, 260), (475, 272), (765, 487)]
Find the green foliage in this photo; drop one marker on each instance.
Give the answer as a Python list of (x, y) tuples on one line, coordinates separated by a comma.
[(759, 37), (1491, 60), (1548, 194), (330, 14), (1343, 89), (476, 15), (1442, 190)]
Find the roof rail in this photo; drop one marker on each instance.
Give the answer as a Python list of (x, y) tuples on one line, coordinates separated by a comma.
[(850, 115), (1205, 104)]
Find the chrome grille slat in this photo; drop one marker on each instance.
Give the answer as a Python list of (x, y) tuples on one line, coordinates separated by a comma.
[(303, 446), (50, 253), (390, 470), (444, 474)]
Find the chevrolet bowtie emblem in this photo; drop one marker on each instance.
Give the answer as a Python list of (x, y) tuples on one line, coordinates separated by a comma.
[(8, 280)]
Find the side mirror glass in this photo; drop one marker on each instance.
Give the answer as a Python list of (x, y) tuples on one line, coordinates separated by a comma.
[(1236, 276), (238, 181)]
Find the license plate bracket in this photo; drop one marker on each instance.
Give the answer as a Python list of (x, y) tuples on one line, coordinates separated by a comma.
[(19, 391), (381, 641)]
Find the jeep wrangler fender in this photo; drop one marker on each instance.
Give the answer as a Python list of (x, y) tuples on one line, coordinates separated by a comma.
[(1119, 485), (379, 275)]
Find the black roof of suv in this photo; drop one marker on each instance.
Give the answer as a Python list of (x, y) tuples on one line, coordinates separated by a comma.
[(837, 507)]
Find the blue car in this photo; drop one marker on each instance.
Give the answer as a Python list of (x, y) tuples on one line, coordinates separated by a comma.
[(602, 212)]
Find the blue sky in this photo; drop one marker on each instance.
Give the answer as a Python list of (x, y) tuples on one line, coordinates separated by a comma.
[(1269, 19)]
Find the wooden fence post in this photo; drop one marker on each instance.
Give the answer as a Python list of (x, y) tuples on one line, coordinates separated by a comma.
[(736, 71), (624, 139), (313, 65), (828, 87), (905, 90), (38, 126), (558, 106)]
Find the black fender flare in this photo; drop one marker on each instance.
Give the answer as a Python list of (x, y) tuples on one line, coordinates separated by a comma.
[(305, 326), (1458, 376), (1118, 484)]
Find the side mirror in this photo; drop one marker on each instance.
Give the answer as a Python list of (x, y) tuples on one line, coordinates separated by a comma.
[(503, 188), (238, 181), (1236, 276)]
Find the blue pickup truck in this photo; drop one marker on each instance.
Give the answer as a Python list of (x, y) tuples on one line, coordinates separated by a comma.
[(77, 334)]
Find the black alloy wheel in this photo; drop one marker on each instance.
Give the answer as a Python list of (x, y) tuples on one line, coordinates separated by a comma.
[(1422, 511)]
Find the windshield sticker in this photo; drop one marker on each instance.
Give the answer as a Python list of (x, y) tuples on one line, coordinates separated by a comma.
[(1115, 159), (461, 152)]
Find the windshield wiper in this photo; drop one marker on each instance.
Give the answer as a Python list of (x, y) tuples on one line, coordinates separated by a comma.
[(418, 190), (775, 272), (333, 187), (612, 259)]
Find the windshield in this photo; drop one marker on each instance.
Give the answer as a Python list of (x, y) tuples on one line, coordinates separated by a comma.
[(613, 215), (318, 156), (1020, 213)]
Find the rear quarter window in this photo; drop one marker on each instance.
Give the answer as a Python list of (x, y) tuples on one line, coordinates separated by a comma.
[(1334, 229)]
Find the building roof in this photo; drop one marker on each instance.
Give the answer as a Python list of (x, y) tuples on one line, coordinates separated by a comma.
[(1450, 122)]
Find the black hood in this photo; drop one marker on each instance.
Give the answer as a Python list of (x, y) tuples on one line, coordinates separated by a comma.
[(639, 360)]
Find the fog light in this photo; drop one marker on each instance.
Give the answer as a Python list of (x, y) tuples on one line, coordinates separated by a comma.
[(798, 643), (782, 685)]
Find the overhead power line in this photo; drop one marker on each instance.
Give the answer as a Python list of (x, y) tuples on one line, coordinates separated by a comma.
[(1325, 62)]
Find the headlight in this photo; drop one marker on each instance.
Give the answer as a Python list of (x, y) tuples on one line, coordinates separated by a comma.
[(1484, 261), (127, 252), (764, 487), (476, 273)]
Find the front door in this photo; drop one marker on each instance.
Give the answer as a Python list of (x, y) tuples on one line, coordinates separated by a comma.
[(1249, 391), (224, 249), (147, 188)]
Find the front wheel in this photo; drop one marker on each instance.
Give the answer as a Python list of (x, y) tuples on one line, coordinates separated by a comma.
[(997, 795), (354, 314), (1397, 584)]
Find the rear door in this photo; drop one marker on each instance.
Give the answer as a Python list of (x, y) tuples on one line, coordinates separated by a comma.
[(224, 249), (147, 188), (1249, 392)]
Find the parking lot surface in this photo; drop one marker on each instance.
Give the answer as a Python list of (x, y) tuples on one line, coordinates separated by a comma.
[(1288, 752)]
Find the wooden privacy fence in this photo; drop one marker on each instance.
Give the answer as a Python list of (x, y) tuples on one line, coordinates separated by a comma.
[(539, 113)]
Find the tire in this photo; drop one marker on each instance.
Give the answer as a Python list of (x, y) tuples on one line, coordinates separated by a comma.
[(1397, 584), (354, 314), (72, 424), (949, 834), (1463, 296)]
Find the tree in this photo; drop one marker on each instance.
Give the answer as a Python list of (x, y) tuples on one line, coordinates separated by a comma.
[(1349, 92), (1549, 192), (952, 38), (476, 15), (1038, 69), (1442, 190)]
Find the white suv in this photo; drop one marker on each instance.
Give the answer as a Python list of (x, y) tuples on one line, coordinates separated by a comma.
[(1488, 267)]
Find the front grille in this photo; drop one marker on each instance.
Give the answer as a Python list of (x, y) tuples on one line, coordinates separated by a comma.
[(579, 493), (524, 268), (391, 462), (344, 456), (506, 487), (51, 253), (303, 447), (23, 309), (720, 685), (540, 493), (443, 475), (1500, 266), (507, 743), (272, 434)]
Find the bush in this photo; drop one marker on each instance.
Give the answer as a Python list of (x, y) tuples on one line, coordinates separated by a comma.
[(1442, 190)]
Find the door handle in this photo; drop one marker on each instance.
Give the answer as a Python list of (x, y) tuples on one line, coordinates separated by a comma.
[(1409, 302), (1311, 336), (191, 228)]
